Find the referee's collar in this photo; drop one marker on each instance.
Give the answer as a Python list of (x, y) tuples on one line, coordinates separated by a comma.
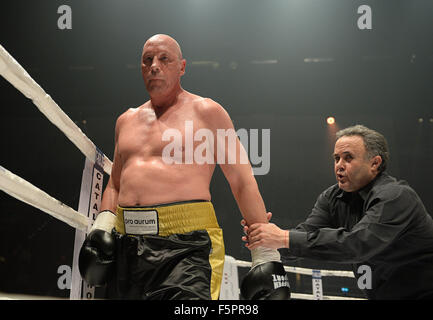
[(364, 191)]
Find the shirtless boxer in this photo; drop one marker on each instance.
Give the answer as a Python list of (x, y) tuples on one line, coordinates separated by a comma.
[(177, 252)]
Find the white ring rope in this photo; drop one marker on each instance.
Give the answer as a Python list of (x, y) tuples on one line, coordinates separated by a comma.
[(305, 271), (305, 296), (19, 188), (309, 272), (24, 191), (12, 71), (28, 193)]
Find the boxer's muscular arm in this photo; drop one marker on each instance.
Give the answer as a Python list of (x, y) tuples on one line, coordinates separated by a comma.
[(239, 174), (266, 263), (96, 260), (111, 192), (246, 192)]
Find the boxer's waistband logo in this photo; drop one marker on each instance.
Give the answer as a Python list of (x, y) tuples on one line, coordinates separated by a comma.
[(139, 222)]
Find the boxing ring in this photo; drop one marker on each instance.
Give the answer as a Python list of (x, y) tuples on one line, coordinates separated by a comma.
[(96, 164)]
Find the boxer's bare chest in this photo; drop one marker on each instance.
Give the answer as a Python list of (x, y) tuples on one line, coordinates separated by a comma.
[(146, 134)]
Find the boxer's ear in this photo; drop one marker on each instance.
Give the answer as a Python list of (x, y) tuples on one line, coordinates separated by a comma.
[(182, 67)]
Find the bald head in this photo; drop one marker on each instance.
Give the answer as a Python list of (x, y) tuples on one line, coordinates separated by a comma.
[(162, 66), (167, 41)]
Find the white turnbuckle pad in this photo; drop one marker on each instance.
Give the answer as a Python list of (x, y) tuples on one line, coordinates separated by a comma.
[(140, 222)]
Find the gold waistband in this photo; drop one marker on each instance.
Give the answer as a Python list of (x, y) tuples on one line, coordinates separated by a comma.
[(176, 218)]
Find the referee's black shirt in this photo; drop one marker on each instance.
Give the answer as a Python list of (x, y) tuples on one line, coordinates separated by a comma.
[(384, 226)]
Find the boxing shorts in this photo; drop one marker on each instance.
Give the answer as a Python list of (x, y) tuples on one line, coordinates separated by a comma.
[(169, 251)]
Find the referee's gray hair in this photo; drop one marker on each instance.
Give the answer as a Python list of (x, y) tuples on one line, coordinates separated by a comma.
[(374, 142)]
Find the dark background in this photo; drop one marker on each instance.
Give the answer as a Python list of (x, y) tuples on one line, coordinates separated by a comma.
[(381, 78)]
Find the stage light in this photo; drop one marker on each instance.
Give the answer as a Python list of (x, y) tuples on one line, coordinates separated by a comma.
[(330, 120)]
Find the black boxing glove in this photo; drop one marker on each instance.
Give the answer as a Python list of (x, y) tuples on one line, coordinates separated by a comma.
[(96, 260), (267, 279)]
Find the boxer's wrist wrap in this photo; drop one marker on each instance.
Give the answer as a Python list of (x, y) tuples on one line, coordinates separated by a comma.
[(261, 255), (104, 221)]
